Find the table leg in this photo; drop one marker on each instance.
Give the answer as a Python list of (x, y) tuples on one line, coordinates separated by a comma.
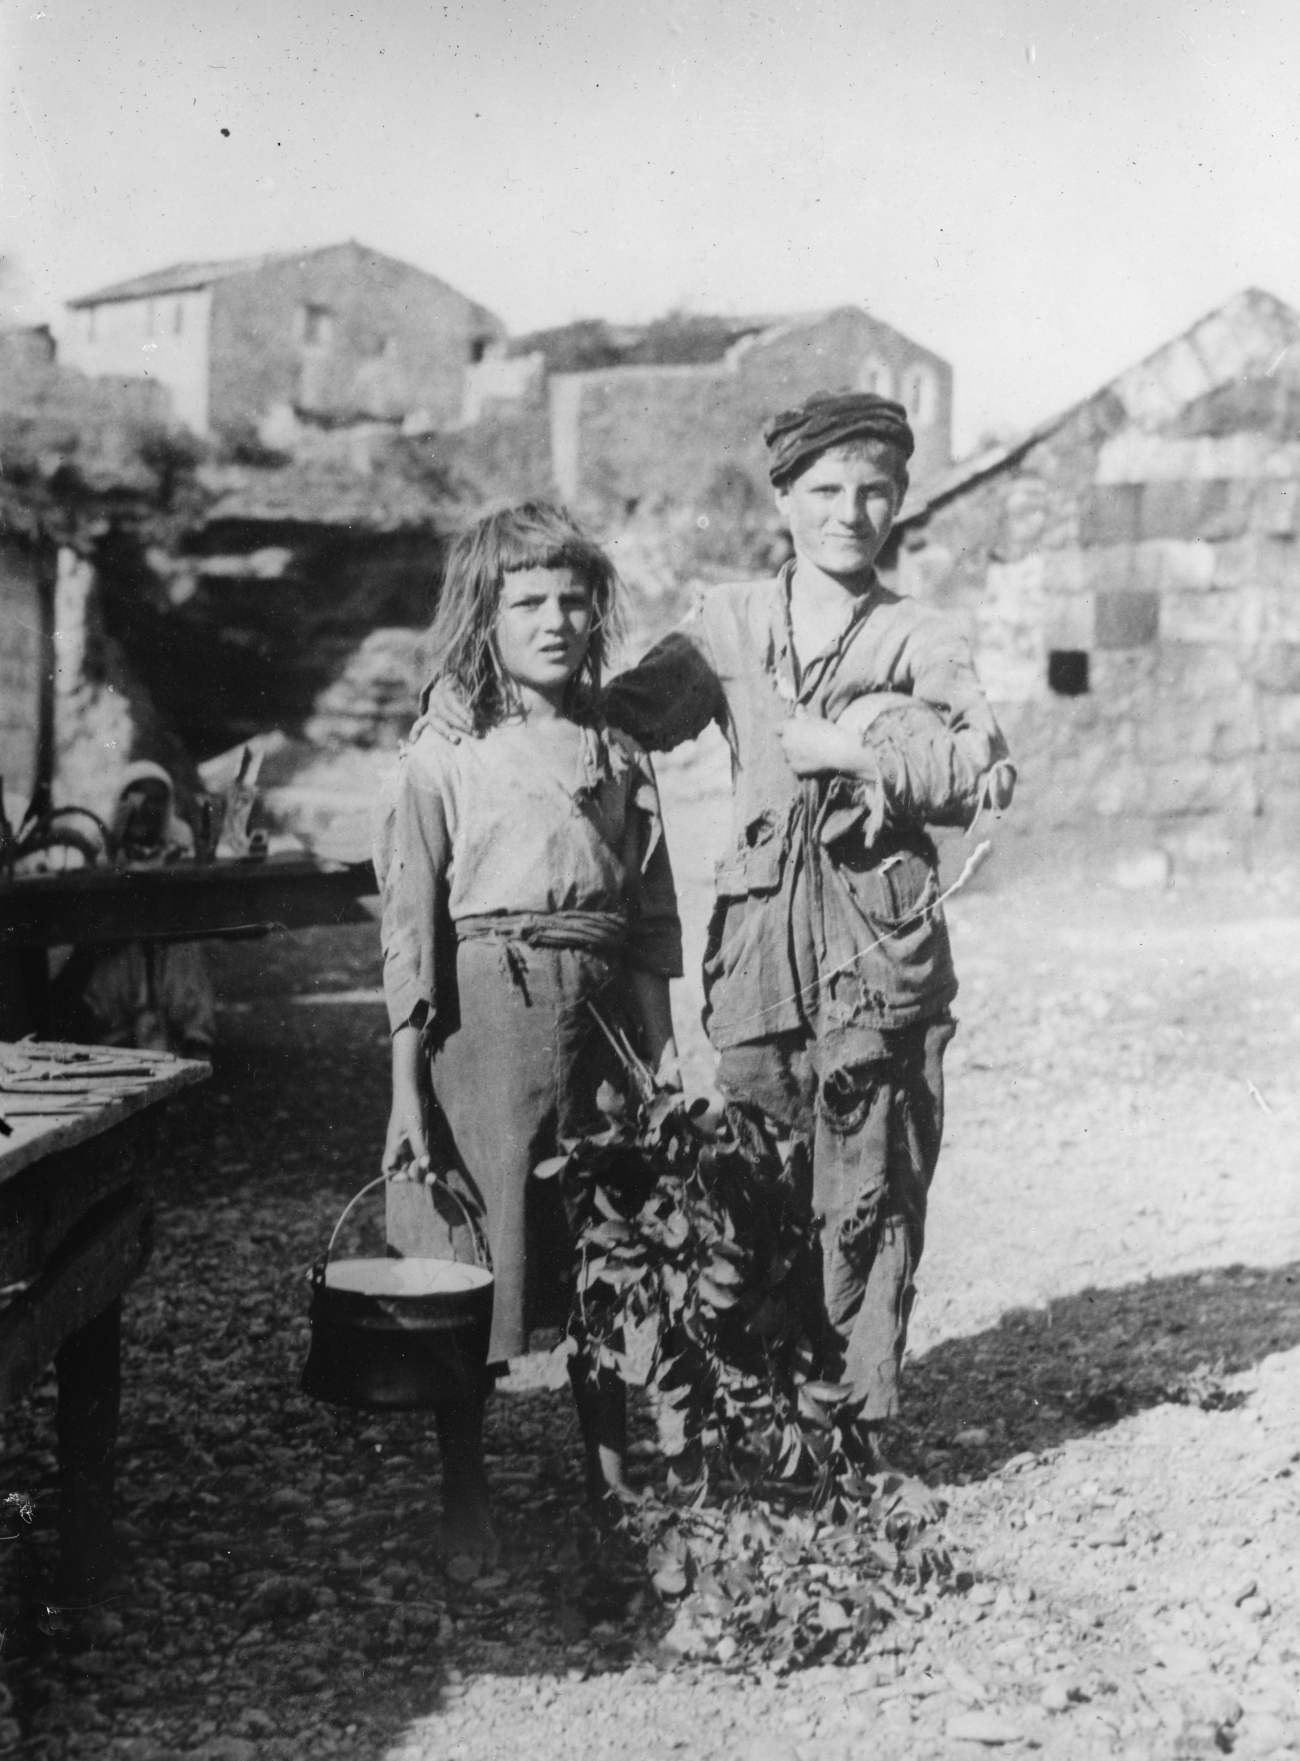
[(90, 1389), (24, 992)]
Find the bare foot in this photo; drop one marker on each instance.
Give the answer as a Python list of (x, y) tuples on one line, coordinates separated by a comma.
[(612, 1495), (466, 1536)]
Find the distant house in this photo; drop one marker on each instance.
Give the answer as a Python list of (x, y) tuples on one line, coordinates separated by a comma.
[(679, 417), (1129, 573), (337, 334)]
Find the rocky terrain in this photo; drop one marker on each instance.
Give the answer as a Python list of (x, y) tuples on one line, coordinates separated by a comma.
[(1104, 1386)]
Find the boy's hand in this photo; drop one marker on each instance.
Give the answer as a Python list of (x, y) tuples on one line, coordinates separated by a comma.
[(814, 745), (446, 713)]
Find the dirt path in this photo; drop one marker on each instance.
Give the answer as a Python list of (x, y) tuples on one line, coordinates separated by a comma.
[(1105, 1380)]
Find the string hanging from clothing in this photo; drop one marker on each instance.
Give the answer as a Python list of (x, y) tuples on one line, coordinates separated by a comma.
[(974, 862)]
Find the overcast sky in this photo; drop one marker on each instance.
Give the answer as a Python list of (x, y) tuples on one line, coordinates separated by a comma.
[(1041, 190)]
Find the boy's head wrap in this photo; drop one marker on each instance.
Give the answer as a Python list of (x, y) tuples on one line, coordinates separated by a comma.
[(827, 419)]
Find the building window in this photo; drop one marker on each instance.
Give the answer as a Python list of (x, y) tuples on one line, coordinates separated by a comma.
[(919, 394), (178, 317), (1067, 672), (875, 375), (317, 327)]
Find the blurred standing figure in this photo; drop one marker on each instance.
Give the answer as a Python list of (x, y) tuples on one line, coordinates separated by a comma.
[(155, 995)]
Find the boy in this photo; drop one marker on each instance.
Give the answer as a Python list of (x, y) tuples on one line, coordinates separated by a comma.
[(828, 975)]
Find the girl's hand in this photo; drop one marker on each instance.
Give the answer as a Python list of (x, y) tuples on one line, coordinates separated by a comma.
[(406, 1146), (813, 745), (446, 713)]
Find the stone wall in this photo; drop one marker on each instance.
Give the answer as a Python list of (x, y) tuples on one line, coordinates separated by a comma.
[(371, 702), (505, 453), (1133, 598), (104, 714), (24, 640), (163, 341), (389, 339), (253, 626), (679, 436)]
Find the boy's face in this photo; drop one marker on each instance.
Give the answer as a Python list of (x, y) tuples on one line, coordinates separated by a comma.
[(544, 624), (841, 508)]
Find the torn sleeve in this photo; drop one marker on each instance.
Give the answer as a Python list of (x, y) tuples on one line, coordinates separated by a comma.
[(672, 694), (942, 769), (412, 854)]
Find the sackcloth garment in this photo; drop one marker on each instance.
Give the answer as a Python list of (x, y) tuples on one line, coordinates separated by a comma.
[(875, 1125), (828, 975), (154, 995), (522, 872), (519, 1074)]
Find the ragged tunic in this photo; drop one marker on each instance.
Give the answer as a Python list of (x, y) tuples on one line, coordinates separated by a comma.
[(774, 944), (521, 873), (829, 976)]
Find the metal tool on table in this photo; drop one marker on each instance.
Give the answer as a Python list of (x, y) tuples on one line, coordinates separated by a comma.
[(240, 798)]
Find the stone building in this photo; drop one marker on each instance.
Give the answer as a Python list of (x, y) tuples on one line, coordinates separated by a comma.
[(330, 335), (691, 434), (75, 454), (1129, 574), (157, 604), (287, 593)]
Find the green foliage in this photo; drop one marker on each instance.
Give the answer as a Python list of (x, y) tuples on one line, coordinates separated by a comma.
[(759, 1583), (699, 1279)]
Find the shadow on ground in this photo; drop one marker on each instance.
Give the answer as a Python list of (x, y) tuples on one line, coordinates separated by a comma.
[(1042, 1376), (279, 1583), (279, 1590)]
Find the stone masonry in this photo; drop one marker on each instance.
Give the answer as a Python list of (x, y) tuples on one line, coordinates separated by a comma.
[(1129, 575), (689, 437)]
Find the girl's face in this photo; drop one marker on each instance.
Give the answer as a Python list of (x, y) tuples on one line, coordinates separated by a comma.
[(544, 624)]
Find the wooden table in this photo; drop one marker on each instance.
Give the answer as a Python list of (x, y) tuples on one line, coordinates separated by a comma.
[(176, 902), (181, 901), (76, 1227)]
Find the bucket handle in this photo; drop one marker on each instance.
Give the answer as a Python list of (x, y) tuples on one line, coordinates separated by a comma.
[(381, 1180)]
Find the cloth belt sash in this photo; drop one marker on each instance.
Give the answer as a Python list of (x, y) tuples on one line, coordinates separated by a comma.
[(596, 932)]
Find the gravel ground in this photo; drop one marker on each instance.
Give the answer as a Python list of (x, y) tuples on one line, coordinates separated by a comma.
[(1105, 1383)]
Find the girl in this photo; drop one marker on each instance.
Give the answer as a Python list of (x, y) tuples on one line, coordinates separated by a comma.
[(524, 879)]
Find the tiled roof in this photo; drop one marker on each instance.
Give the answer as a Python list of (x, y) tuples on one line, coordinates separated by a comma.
[(180, 278), (1247, 337), (187, 277)]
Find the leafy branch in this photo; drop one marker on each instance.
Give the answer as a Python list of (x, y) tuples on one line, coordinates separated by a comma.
[(699, 1279)]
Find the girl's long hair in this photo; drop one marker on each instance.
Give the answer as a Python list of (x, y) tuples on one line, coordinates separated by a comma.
[(460, 646)]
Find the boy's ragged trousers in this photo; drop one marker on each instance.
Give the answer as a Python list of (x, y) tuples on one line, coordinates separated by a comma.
[(874, 1117)]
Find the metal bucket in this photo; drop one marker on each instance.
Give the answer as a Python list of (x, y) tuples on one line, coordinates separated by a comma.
[(398, 1334)]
